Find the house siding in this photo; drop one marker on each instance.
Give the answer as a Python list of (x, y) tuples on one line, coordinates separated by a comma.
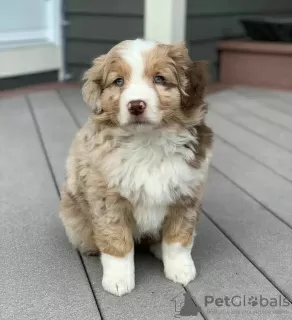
[(209, 21), (94, 26)]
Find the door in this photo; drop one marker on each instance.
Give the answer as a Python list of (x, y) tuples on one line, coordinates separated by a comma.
[(30, 37)]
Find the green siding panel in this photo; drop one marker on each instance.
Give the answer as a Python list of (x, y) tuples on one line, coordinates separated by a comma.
[(96, 26), (237, 6), (213, 28), (105, 28), (218, 27), (204, 51), (210, 21), (80, 52), (106, 6), (77, 72)]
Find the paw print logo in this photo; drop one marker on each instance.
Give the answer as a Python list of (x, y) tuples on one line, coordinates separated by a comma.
[(253, 301)]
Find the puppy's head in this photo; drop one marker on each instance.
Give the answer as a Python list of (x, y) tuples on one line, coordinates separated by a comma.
[(144, 83)]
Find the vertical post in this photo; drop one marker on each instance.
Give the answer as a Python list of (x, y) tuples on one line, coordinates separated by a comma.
[(165, 20)]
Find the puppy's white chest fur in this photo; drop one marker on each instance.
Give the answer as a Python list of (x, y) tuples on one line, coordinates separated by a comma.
[(149, 220), (150, 170)]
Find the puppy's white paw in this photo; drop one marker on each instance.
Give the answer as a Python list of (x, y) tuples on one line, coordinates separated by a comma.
[(181, 270), (156, 250), (118, 274), (178, 263), (118, 285)]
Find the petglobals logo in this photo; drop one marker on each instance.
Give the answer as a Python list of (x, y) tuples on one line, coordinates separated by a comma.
[(253, 301)]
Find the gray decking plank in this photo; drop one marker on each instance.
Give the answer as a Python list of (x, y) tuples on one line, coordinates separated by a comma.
[(41, 277), (277, 100), (47, 105), (255, 230), (153, 294), (151, 298), (263, 184), (269, 131), (222, 270), (269, 154), (255, 107), (73, 100)]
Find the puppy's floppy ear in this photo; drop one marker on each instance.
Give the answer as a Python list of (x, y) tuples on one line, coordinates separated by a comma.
[(197, 75), (179, 53), (92, 87)]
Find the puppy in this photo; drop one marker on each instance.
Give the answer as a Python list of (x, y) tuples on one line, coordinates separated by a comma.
[(137, 168)]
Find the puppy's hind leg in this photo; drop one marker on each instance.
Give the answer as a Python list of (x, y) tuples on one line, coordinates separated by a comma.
[(77, 223)]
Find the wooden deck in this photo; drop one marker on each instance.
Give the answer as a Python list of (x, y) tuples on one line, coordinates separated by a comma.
[(244, 244)]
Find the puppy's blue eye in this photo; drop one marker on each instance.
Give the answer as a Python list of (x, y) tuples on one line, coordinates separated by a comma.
[(158, 79), (119, 82)]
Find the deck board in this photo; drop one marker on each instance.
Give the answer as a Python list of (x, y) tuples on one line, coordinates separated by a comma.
[(259, 149), (244, 233), (263, 184), (153, 294), (255, 230), (37, 264), (72, 98), (209, 253), (266, 130), (281, 101), (256, 108), (49, 109), (225, 271)]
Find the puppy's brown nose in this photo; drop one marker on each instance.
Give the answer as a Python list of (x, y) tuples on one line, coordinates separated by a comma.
[(136, 107)]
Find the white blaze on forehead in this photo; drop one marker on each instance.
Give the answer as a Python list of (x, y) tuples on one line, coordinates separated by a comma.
[(138, 88), (133, 54)]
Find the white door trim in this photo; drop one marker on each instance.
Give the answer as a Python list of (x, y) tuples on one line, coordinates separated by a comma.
[(165, 20), (55, 31)]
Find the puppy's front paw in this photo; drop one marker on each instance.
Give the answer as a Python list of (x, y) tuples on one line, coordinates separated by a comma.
[(178, 263), (118, 274), (181, 270), (118, 284)]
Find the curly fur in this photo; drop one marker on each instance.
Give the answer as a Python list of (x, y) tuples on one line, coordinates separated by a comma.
[(128, 181)]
